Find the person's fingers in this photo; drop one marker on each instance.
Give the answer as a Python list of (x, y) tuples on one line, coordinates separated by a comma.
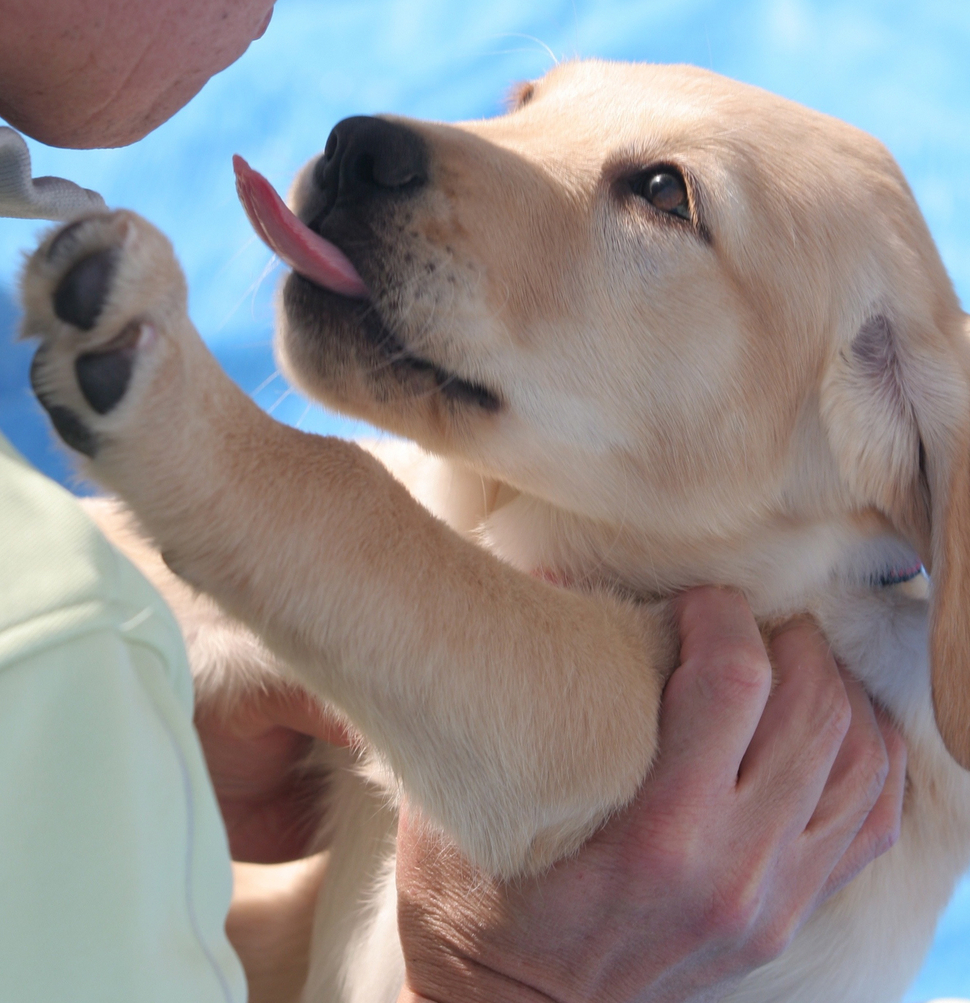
[(284, 707), (296, 709), (254, 749), (254, 766), (265, 800), (715, 698), (271, 830), (850, 788), (800, 733), (880, 830), (858, 774)]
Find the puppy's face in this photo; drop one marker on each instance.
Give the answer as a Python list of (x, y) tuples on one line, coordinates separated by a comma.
[(622, 296), (702, 315)]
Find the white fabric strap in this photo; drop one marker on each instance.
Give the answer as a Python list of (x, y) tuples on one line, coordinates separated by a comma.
[(25, 197)]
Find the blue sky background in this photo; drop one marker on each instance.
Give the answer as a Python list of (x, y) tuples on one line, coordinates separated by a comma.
[(900, 70)]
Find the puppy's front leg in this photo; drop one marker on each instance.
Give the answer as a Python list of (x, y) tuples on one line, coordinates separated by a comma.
[(514, 713)]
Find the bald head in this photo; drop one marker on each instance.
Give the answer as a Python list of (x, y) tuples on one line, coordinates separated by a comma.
[(86, 73)]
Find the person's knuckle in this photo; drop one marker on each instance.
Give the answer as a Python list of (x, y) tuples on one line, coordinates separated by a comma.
[(728, 920), (741, 670), (876, 765), (877, 842), (892, 829), (871, 843), (735, 908), (895, 746), (870, 768), (833, 711), (885, 826), (771, 939)]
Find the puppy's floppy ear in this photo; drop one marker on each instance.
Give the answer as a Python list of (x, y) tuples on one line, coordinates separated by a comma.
[(950, 575), (896, 403)]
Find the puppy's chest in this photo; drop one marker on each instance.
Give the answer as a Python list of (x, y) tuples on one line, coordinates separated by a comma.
[(873, 609)]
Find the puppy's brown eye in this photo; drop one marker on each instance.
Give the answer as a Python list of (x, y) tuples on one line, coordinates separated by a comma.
[(664, 189)]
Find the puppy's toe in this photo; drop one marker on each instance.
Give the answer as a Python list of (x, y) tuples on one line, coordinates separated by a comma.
[(81, 294), (103, 375)]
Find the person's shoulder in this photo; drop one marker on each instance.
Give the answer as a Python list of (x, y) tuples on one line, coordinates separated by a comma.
[(59, 575), (50, 552)]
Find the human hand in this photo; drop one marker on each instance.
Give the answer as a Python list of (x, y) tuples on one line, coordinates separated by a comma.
[(758, 808), (254, 756)]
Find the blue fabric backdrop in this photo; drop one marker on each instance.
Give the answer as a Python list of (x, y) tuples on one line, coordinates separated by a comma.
[(898, 69)]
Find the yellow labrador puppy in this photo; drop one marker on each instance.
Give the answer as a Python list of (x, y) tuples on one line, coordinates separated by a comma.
[(652, 328)]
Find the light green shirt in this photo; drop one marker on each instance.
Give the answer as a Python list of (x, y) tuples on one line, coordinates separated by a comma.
[(114, 867)]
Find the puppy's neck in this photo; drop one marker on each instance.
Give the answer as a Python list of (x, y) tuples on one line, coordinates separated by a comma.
[(781, 565)]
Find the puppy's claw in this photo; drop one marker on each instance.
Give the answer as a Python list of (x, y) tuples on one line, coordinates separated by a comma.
[(80, 295)]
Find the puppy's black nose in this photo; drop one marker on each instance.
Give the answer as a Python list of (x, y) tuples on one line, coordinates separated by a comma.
[(368, 157)]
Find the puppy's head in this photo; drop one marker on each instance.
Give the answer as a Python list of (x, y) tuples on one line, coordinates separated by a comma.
[(547, 296), (652, 295)]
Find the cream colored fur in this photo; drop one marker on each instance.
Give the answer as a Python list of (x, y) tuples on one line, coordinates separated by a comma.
[(773, 394)]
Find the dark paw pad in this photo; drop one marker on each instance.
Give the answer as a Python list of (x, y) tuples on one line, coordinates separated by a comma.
[(67, 424), (64, 238), (80, 295), (103, 376), (72, 430)]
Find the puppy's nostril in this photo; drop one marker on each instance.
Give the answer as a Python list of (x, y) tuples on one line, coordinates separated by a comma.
[(81, 294)]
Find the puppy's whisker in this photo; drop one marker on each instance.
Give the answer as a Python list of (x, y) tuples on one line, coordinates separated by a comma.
[(250, 292), (241, 249), (269, 379), (271, 265), (529, 38), (288, 392), (302, 418)]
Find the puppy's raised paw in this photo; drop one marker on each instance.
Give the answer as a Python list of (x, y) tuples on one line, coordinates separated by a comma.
[(100, 293)]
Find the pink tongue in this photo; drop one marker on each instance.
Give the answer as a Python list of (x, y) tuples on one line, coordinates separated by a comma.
[(303, 250)]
